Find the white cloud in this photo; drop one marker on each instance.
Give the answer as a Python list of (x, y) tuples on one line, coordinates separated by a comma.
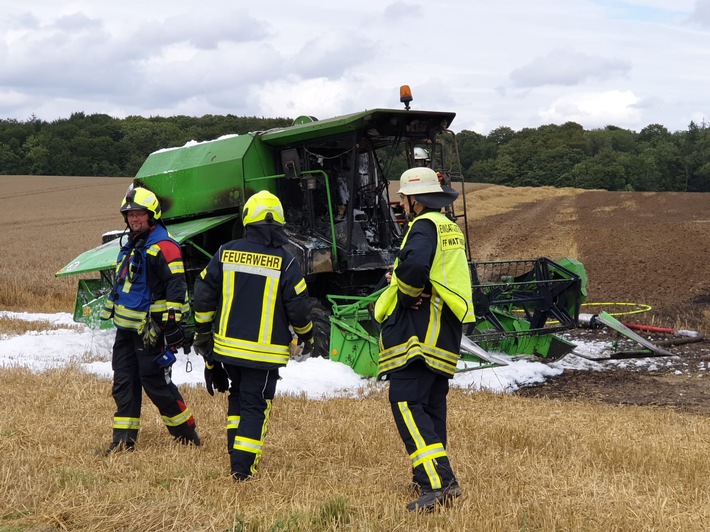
[(566, 67), (598, 109), (493, 63)]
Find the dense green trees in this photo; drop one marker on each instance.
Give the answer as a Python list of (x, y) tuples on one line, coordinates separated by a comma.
[(99, 145), (610, 158), (566, 155)]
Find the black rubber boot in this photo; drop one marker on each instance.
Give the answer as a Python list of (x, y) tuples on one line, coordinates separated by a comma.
[(118, 447), (431, 499)]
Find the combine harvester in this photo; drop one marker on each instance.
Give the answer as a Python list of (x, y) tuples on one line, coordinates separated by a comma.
[(332, 177)]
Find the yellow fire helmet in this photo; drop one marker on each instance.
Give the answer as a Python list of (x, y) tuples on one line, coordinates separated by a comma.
[(139, 198), (263, 207)]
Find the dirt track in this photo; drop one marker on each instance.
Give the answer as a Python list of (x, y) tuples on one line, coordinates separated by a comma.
[(646, 248)]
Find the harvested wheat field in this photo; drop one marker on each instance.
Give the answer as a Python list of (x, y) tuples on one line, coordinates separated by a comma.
[(592, 450)]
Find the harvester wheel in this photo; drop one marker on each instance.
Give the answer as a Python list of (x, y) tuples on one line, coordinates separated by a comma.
[(320, 316)]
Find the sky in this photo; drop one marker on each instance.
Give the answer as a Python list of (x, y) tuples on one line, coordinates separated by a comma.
[(319, 379), (513, 63)]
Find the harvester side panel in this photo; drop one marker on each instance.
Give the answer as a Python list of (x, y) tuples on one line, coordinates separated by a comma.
[(204, 178)]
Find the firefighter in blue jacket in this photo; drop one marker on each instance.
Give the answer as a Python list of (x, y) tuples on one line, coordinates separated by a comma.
[(147, 304), (422, 312), (244, 301)]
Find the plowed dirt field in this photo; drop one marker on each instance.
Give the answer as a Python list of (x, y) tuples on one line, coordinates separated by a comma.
[(650, 249)]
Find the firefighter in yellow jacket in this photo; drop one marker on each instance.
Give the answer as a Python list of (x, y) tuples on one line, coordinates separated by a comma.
[(244, 301), (422, 312)]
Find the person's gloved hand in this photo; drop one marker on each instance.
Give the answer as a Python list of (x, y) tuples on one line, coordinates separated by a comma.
[(150, 333), (300, 351), (204, 344), (307, 348), (215, 377), (174, 335)]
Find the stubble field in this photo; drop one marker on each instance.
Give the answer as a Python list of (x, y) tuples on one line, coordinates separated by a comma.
[(546, 458)]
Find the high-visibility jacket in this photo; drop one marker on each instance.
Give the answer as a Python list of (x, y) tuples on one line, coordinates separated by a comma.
[(431, 267), (248, 295), (150, 279)]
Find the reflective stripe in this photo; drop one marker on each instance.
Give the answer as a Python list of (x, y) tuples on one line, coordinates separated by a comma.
[(181, 418), (254, 270), (300, 286), (268, 305), (430, 452), (248, 445), (436, 308), (233, 422), (126, 423), (107, 311), (176, 267), (303, 330), (425, 461), (410, 291), (204, 317), (257, 352), (397, 356), (228, 278), (125, 318)]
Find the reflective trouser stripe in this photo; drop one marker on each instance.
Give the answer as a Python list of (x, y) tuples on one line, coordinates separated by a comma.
[(181, 418), (428, 453), (248, 445), (232, 422), (252, 446), (424, 454), (126, 423)]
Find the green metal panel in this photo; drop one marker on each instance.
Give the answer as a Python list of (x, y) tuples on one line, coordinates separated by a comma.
[(91, 295), (202, 178), (104, 256), (381, 122), (354, 333)]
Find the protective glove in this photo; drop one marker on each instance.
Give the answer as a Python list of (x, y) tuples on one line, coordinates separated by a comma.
[(150, 333), (215, 377), (300, 351), (174, 335), (307, 348), (204, 344)]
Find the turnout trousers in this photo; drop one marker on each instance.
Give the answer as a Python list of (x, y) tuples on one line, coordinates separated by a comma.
[(133, 372), (251, 392), (418, 399)]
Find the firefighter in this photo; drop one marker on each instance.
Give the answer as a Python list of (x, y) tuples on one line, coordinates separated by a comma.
[(245, 300), (147, 305), (422, 312), (421, 157)]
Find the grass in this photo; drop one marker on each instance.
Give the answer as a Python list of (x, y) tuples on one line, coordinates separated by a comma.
[(338, 464)]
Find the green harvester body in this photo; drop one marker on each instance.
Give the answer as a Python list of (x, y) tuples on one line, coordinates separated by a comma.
[(333, 177)]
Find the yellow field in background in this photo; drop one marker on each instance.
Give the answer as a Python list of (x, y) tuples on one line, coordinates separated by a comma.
[(47, 221)]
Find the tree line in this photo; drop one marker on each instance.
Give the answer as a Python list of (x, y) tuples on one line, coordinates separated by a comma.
[(611, 158), (566, 155)]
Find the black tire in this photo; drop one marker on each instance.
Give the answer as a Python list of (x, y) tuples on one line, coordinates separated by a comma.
[(320, 316)]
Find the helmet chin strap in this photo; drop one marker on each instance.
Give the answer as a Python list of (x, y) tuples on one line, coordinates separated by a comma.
[(411, 202)]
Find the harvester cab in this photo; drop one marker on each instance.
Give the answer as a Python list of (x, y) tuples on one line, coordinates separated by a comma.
[(333, 178)]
